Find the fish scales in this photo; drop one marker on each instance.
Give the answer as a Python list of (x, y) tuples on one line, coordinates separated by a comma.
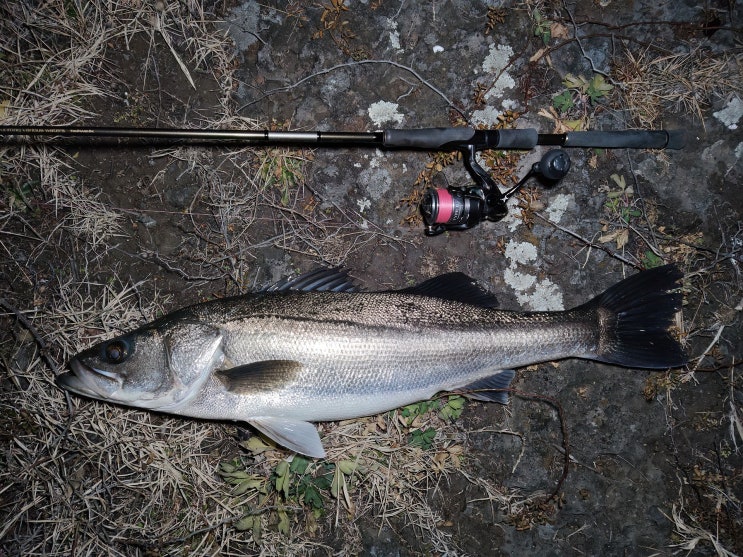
[(345, 344), (281, 359)]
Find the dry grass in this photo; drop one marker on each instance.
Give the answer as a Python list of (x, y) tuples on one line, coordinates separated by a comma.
[(685, 83)]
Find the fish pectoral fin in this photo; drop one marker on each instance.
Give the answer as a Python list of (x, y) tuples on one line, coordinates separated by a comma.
[(295, 435), (455, 287), (265, 375), (490, 389)]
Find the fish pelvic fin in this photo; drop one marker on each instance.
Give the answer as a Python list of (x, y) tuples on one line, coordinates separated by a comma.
[(296, 435), (635, 316), (490, 389)]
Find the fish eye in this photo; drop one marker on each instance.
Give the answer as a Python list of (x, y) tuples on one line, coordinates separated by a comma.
[(116, 351)]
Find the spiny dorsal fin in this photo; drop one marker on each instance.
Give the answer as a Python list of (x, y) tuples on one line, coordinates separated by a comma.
[(265, 375), (319, 280), (455, 287)]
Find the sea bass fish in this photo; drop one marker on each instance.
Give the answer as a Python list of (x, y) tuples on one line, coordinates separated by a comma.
[(317, 349)]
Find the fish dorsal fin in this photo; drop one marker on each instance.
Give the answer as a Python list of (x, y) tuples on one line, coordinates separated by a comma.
[(265, 375), (455, 287), (500, 380), (296, 435), (319, 280)]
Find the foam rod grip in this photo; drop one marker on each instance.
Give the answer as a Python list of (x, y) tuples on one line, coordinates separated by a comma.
[(428, 138), (627, 139)]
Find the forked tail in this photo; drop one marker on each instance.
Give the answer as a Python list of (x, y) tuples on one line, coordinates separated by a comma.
[(635, 316)]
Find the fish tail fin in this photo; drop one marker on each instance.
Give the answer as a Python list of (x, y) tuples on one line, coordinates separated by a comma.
[(635, 316)]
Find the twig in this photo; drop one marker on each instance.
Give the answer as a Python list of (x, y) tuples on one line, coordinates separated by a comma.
[(555, 495), (716, 338), (43, 348), (153, 256), (563, 428), (735, 421), (408, 69), (580, 44), (589, 242)]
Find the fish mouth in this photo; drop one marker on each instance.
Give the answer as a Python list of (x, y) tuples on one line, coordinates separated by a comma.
[(84, 380)]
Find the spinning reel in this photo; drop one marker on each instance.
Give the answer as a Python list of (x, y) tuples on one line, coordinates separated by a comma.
[(460, 208)]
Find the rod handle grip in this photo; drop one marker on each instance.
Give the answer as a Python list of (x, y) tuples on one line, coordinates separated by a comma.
[(627, 139), (428, 138), (461, 138)]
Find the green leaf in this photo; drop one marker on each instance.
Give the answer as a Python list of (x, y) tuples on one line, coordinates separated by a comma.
[(255, 445), (453, 408), (312, 497), (650, 260), (575, 82), (598, 88), (542, 27), (619, 181), (336, 486), (284, 526), (418, 409), (253, 482), (226, 468), (348, 467), (246, 522), (299, 465), (283, 478), (563, 102), (422, 438)]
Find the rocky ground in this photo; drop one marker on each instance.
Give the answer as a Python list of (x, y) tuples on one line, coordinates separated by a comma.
[(655, 457)]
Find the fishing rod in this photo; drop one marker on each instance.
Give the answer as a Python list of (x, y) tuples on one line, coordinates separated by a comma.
[(451, 208)]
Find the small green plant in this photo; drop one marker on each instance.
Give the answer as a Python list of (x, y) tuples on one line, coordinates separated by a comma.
[(422, 438), (542, 27), (650, 259), (449, 409), (620, 202), (620, 206), (412, 411), (281, 170), (293, 484), (580, 92), (453, 408), (564, 101), (279, 493)]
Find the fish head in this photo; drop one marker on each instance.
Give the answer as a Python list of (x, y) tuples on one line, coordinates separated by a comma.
[(156, 367)]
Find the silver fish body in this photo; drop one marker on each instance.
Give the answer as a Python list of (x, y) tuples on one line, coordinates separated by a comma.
[(309, 352)]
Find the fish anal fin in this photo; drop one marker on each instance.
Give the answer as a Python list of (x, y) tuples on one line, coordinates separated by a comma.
[(455, 287), (264, 375), (491, 388), (296, 435)]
